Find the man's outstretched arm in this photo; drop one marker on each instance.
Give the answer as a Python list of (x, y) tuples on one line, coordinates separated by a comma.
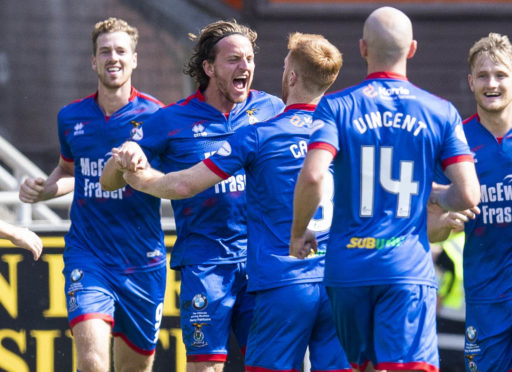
[(175, 185)]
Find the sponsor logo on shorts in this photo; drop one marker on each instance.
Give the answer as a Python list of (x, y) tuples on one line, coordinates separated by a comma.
[(472, 366), (199, 302), (199, 335), (471, 334), (471, 347), (76, 275), (72, 304)]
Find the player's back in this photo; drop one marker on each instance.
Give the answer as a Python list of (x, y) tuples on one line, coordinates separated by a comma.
[(390, 134), (272, 154)]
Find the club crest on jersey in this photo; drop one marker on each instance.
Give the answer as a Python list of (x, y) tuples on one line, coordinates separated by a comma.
[(199, 335), (252, 118), (76, 275), (199, 302), (78, 129), (225, 149), (136, 133)]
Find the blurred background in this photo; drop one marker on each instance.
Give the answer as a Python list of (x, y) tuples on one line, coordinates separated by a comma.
[(45, 50), (45, 63)]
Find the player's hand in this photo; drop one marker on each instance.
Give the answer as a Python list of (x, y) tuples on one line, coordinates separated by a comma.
[(303, 246), (136, 179), (456, 220), (24, 238), (144, 180), (31, 190), (129, 157)]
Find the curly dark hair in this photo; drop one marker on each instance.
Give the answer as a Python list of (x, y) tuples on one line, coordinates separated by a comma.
[(204, 49)]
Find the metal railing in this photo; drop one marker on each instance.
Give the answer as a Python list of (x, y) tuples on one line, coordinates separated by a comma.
[(34, 216), (14, 169)]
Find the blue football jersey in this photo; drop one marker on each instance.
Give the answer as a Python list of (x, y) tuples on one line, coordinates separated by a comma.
[(272, 154), (387, 135), (488, 248), (120, 228), (211, 226)]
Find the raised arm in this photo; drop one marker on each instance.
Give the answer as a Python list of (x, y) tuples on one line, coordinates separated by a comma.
[(60, 182)]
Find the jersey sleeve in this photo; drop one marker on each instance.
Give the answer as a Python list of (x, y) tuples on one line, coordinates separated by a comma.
[(236, 153), (325, 130), (277, 104), (65, 149), (455, 146), (439, 176)]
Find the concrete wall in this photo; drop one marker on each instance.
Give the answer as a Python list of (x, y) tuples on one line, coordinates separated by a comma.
[(45, 54)]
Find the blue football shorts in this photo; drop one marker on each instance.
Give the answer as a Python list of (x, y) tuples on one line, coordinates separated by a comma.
[(131, 303), (488, 338), (393, 326), (286, 321), (214, 301)]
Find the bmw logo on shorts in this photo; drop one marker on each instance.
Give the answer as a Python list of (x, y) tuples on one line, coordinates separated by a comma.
[(471, 334), (76, 275), (199, 302)]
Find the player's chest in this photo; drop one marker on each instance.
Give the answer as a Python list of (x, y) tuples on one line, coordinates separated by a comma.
[(95, 138)]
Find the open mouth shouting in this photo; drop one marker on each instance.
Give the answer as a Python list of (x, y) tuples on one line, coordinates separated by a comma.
[(240, 83)]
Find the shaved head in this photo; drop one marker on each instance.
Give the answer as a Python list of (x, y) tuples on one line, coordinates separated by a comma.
[(388, 34)]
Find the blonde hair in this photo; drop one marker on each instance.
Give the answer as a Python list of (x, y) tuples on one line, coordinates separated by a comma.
[(114, 25), (315, 59), (495, 46)]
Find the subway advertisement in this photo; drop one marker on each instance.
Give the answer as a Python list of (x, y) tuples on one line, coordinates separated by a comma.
[(34, 331)]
